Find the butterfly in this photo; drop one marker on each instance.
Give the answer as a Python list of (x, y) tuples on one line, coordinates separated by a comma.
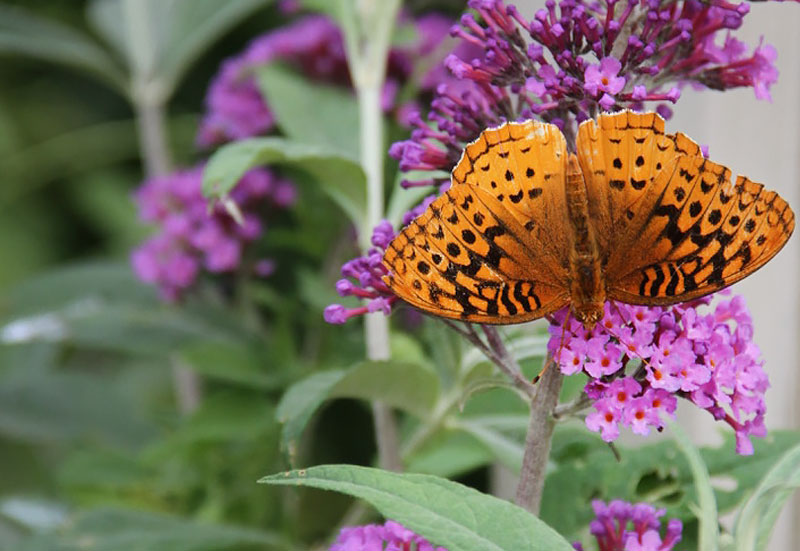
[(635, 215)]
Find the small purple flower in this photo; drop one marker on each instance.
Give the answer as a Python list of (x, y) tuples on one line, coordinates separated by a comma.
[(623, 526), (558, 66), (191, 237), (389, 536), (603, 77), (678, 352), (368, 271)]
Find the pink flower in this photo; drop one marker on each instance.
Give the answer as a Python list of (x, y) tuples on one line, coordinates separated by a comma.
[(191, 236), (623, 526), (603, 77), (389, 536), (763, 71), (604, 420)]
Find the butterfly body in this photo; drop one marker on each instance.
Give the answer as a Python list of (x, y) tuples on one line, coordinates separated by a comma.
[(586, 281), (636, 216)]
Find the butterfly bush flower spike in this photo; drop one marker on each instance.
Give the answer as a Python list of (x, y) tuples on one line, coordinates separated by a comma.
[(572, 59), (389, 536), (191, 239), (641, 360), (363, 279), (623, 526)]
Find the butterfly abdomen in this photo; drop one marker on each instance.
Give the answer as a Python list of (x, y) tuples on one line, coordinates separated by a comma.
[(587, 285)]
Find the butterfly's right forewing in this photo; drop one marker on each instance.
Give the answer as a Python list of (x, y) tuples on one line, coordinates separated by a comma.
[(698, 232)]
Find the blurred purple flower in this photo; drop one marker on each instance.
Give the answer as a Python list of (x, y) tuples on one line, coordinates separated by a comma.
[(623, 526), (367, 271), (389, 536), (313, 45), (640, 360), (191, 238)]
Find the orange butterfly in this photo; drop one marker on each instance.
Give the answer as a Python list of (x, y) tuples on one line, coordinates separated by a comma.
[(638, 216)]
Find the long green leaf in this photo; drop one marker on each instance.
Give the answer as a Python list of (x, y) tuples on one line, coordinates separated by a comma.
[(24, 33), (404, 385), (128, 530), (326, 125), (757, 517), (81, 151), (707, 514), (508, 450), (445, 512), (166, 36), (197, 24), (340, 177)]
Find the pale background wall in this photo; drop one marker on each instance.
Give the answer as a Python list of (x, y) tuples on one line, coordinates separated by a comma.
[(761, 140)]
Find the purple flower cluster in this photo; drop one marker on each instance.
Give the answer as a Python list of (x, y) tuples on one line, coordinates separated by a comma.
[(389, 536), (623, 526), (580, 57), (639, 360), (313, 45), (191, 238), (367, 271)]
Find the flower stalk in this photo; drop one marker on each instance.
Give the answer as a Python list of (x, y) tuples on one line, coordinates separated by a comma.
[(148, 102), (538, 438), (367, 24)]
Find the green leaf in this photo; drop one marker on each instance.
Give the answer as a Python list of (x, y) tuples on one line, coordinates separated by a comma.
[(448, 454), (508, 450), (195, 26), (45, 407), (707, 515), (340, 177), (83, 150), (403, 385), (444, 512), (24, 33), (289, 96), (128, 530), (52, 290), (237, 362), (228, 417), (160, 39), (103, 306), (757, 516), (585, 467)]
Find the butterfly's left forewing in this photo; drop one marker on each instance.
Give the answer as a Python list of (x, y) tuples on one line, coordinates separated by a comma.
[(467, 258), (494, 247)]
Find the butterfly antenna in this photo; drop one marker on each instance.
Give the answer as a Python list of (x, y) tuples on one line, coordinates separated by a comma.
[(560, 347)]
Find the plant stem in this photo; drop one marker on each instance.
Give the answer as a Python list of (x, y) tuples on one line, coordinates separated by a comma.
[(506, 362), (538, 438), (369, 78), (149, 101)]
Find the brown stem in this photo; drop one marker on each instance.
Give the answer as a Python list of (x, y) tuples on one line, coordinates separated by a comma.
[(505, 361), (538, 439)]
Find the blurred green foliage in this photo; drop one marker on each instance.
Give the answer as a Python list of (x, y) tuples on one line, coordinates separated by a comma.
[(95, 453)]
